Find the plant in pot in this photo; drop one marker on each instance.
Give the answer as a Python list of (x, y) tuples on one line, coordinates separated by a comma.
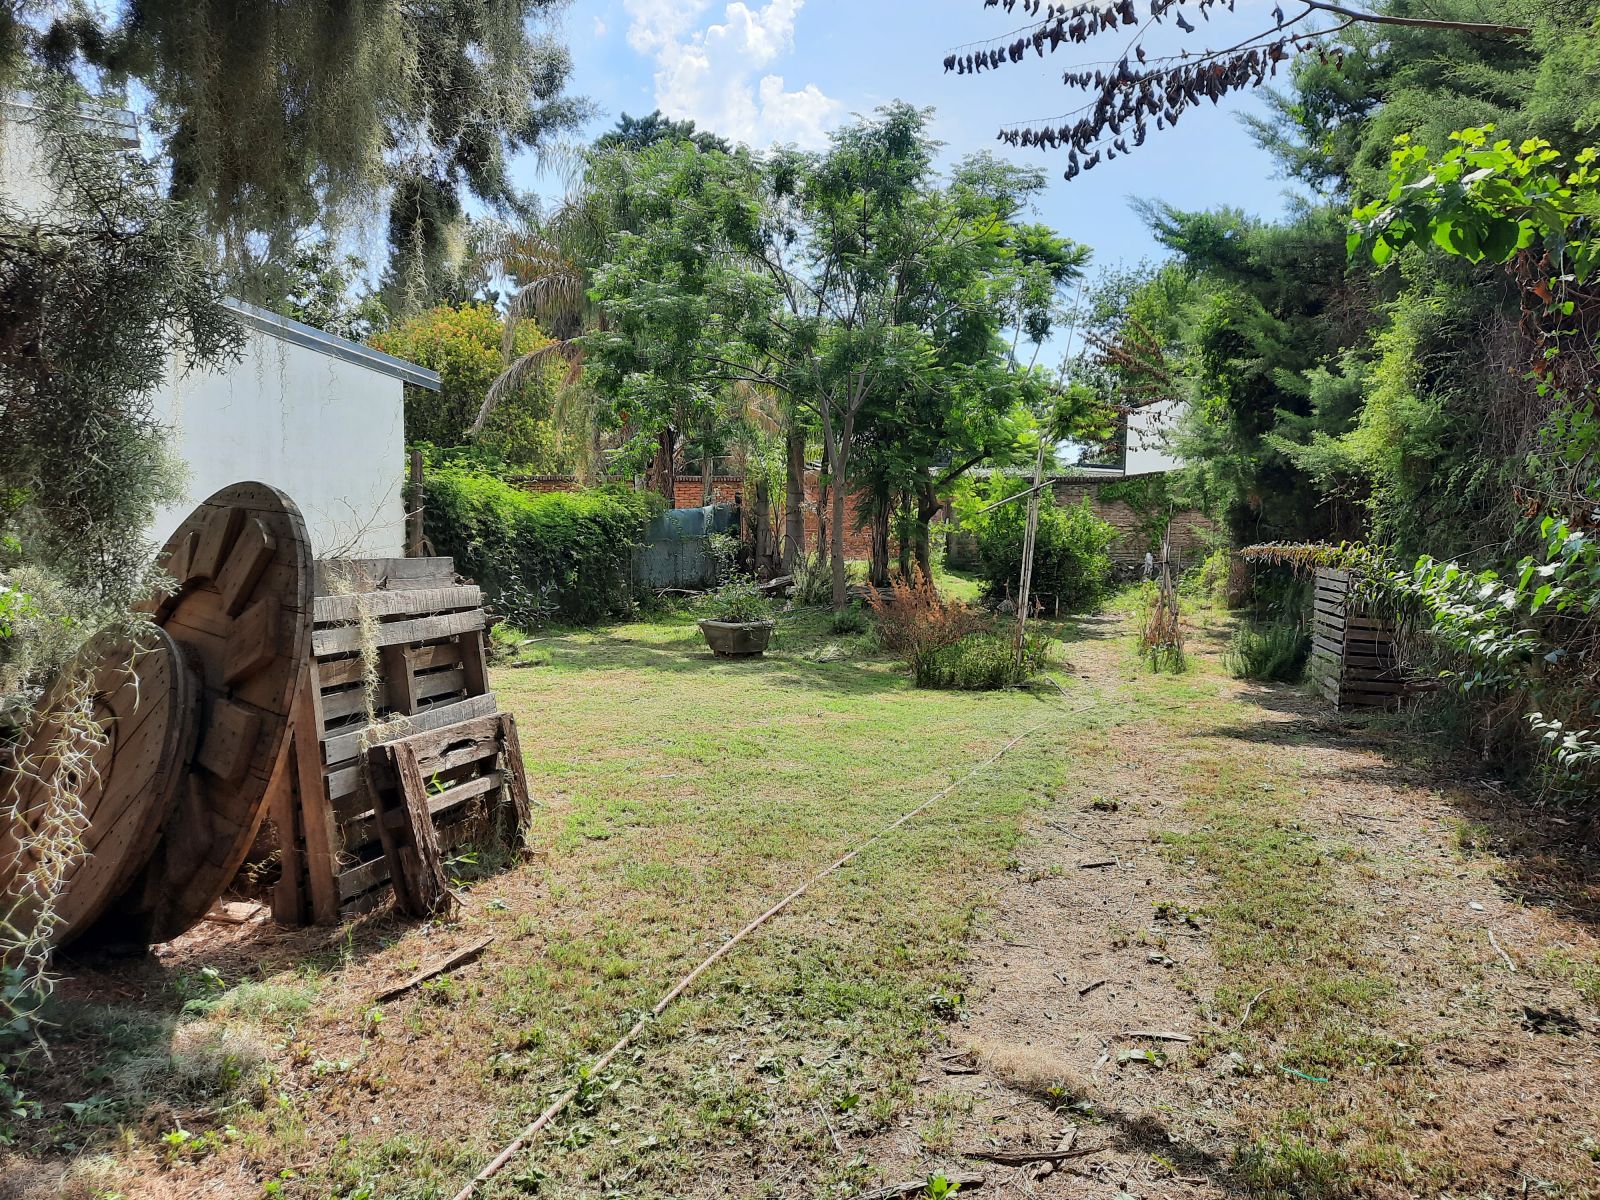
[(739, 624)]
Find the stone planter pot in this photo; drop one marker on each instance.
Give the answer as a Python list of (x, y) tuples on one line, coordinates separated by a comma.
[(737, 639)]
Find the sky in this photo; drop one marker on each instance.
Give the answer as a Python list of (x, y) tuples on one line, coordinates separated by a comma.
[(766, 71)]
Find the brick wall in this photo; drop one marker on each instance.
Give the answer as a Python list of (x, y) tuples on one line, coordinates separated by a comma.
[(1190, 529)]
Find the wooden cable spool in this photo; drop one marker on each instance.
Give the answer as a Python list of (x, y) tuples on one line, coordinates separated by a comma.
[(145, 704), (240, 614)]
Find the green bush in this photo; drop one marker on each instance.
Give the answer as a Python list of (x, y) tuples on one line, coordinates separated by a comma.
[(1275, 652), (563, 555), (1070, 559), (738, 600), (984, 661)]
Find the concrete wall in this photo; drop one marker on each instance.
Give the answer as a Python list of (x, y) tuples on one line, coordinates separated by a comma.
[(328, 432), (1148, 431)]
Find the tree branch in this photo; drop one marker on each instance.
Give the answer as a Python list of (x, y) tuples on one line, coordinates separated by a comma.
[(1418, 22)]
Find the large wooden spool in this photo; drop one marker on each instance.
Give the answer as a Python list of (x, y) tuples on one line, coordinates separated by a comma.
[(239, 613), (123, 765)]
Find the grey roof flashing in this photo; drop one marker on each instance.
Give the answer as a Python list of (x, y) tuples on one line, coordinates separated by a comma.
[(301, 334)]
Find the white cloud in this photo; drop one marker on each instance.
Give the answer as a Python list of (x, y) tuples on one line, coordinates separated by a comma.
[(710, 74), (599, 28)]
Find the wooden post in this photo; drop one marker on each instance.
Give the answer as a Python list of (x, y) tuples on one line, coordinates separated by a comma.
[(1029, 533), (414, 514)]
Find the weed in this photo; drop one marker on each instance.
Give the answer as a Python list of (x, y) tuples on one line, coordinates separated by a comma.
[(1271, 653)]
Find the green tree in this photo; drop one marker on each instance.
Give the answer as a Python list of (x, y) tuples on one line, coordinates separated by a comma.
[(277, 117), (463, 343)]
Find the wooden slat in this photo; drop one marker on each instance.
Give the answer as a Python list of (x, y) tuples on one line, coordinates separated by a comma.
[(334, 641), (405, 826), (339, 747), (416, 602), (441, 683), (360, 830), (316, 813), (385, 574)]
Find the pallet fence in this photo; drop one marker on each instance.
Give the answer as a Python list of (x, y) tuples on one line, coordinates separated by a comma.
[(1353, 652), (398, 660)]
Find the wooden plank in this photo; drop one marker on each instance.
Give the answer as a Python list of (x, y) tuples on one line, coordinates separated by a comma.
[(360, 878), (350, 701), (422, 629), (517, 784), (221, 526), (230, 740), (400, 679), (255, 640), (416, 602), (474, 665), (405, 827), (333, 673), (337, 748), (441, 683), (316, 811), (453, 746), (385, 574), (288, 893), (361, 829), (252, 553)]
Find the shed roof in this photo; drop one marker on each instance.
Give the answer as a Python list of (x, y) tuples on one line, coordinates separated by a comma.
[(332, 345)]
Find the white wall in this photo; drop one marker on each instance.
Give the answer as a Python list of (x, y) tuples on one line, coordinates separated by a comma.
[(1148, 431), (329, 433)]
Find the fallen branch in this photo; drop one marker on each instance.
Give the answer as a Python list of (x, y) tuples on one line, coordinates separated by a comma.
[(1160, 1035), (1245, 1016), (464, 955), (1089, 987), (1089, 866), (1022, 1158), (1500, 950), (915, 1187)]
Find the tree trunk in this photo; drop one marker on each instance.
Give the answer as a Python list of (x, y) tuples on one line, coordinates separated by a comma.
[(708, 479), (794, 501), (879, 572), (906, 543), (665, 468), (824, 546), (761, 535), (840, 583), (928, 506)]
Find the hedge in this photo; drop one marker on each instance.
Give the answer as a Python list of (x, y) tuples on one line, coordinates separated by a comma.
[(557, 556)]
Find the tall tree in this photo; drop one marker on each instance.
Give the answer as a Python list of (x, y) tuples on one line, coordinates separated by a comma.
[(277, 116)]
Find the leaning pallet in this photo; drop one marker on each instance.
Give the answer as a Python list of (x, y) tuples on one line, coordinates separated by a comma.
[(1354, 658), (397, 651)]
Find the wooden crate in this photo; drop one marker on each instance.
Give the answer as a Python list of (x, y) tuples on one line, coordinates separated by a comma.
[(1353, 656), (431, 676)]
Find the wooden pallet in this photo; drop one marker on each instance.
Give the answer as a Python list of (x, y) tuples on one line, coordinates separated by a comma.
[(1354, 659), (428, 676)]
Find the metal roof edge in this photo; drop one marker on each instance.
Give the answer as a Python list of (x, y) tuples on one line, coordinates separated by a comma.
[(301, 334)]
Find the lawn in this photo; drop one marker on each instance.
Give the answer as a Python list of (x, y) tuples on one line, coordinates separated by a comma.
[(677, 796)]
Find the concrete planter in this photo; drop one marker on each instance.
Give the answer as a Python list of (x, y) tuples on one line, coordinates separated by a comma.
[(737, 639)]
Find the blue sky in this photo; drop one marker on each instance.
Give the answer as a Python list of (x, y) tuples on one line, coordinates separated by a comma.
[(762, 71)]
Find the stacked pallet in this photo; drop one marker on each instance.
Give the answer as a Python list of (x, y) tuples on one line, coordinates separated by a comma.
[(397, 664), (1354, 658)]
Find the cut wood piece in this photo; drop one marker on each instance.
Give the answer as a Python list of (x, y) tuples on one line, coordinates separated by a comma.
[(219, 526), (229, 741), (249, 556), (145, 705), (449, 962), (400, 690), (1022, 1158), (254, 643), (247, 697)]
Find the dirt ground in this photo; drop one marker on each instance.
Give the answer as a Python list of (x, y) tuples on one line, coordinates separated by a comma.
[(1092, 951)]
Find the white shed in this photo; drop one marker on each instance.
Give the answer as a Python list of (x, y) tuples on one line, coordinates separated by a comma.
[(317, 416)]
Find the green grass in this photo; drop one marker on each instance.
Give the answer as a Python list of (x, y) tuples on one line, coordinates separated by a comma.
[(676, 796)]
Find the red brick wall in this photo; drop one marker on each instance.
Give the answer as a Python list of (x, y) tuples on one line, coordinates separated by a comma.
[(1189, 528)]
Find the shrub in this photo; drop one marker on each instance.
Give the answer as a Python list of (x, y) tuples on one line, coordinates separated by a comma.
[(915, 623), (985, 661), (563, 555), (1070, 558), (463, 345), (1274, 652), (849, 621), (738, 600)]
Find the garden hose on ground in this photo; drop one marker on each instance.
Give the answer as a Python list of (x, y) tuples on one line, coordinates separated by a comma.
[(599, 1065)]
